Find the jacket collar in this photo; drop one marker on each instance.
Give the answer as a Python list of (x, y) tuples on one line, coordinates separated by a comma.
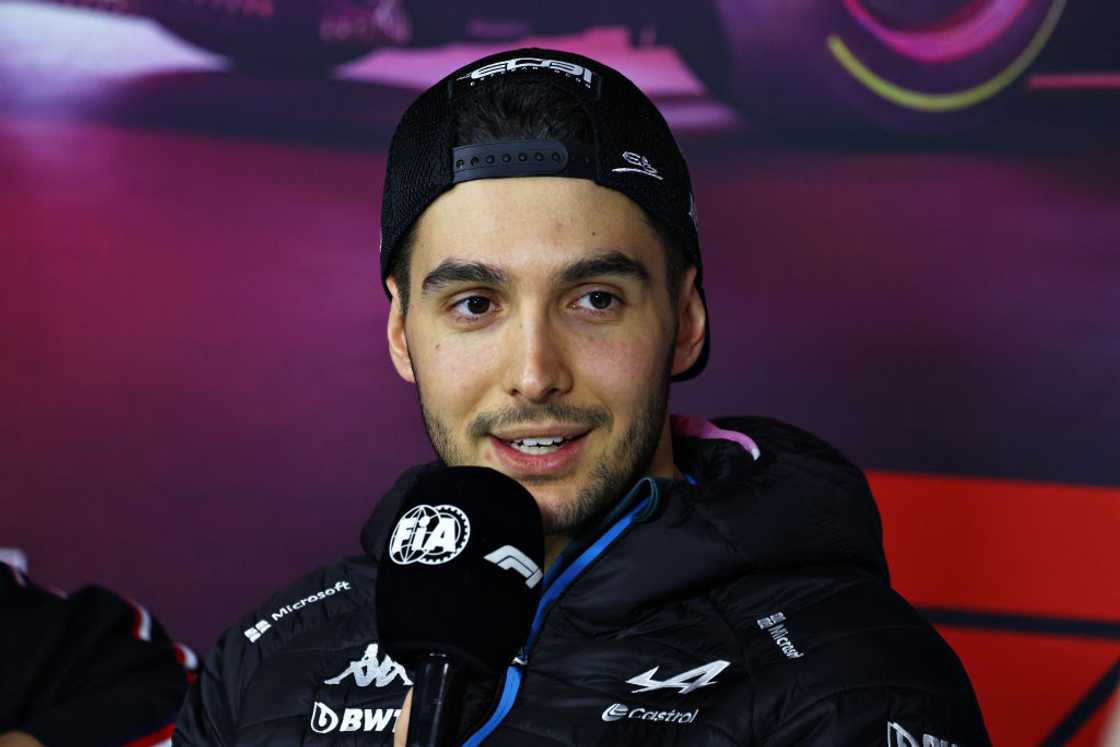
[(779, 495)]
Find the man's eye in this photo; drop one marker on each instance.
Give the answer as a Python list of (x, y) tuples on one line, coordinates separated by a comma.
[(598, 301), (473, 306)]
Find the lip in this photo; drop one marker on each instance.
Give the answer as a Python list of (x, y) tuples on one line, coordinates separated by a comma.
[(518, 464)]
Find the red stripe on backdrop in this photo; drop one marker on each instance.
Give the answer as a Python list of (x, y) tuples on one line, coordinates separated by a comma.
[(1001, 545), (1027, 684), (980, 544)]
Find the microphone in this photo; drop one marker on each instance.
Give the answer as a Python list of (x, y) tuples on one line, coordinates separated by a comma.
[(457, 587)]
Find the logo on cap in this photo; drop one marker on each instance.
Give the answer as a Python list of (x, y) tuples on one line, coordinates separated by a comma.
[(530, 63), (430, 535), (639, 164)]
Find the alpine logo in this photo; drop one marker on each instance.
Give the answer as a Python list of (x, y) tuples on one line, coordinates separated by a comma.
[(780, 634), (639, 164), (325, 719), (380, 672), (514, 64), (262, 626), (430, 535), (693, 679), (899, 737), (509, 557), (618, 712)]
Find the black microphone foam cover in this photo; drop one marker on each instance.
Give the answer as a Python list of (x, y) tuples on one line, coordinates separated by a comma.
[(461, 572)]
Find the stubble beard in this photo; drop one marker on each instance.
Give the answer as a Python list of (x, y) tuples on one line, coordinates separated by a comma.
[(610, 478)]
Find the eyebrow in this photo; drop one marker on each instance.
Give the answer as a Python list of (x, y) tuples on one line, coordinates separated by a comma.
[(612, 263), (452, 271), (609, 263)]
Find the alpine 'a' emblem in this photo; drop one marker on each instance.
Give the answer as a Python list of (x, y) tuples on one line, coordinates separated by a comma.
[(430, 535), (685, 682)]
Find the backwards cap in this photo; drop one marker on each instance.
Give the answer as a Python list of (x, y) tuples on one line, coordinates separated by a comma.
[(633, 150)]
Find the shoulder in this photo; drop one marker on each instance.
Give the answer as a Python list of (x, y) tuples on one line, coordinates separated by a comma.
[(780, 439), (265, 674), (313, 612), (853, 644), (316, 599)]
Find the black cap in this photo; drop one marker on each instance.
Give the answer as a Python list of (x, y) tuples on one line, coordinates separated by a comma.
[(633, 152)]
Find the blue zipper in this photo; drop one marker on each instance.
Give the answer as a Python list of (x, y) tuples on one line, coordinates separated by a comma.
[(509, 692), (554, 587)]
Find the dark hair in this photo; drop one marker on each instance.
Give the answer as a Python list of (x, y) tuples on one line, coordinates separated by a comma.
[(532, 111)]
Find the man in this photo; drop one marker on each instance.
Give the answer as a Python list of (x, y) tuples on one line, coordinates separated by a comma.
[(710, 584)]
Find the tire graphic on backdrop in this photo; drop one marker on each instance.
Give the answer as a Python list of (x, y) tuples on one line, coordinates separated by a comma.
[(910, 66)]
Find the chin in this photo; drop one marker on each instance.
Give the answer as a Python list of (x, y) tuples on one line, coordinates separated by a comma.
[(551, 505)]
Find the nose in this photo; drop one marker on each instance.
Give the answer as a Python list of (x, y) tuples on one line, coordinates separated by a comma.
[(536, 361)]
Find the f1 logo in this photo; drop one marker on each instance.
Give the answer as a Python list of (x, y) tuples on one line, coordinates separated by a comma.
[(509, 558)]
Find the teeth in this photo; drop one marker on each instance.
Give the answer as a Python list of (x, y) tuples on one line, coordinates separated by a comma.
[(537, 446), (535, 450), (539, 441)]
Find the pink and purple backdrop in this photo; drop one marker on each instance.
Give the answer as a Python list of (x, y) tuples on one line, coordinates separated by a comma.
[(198, 407)]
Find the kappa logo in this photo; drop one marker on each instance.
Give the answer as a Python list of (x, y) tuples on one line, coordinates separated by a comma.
[(639, 164), (262, 626), (780, 634), (899, 737), (509, 557), (325, 720), (693, 679), (618, 712), (430, 535), (380, 672), (515, 64)]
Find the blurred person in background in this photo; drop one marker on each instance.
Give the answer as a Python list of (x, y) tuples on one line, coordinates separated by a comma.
[(88, 668)]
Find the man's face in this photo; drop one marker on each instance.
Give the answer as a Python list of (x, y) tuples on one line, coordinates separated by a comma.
[(541, 338)]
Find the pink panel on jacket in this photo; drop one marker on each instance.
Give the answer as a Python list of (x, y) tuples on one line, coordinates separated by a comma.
[(690, 425)]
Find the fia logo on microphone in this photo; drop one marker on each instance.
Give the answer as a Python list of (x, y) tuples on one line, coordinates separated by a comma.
[(430, 535)]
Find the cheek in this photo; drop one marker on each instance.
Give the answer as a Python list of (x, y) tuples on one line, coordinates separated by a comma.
[(454, 376), (620, 368)]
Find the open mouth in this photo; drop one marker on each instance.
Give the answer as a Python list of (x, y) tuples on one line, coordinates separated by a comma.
[(539, 455), (541, 445)]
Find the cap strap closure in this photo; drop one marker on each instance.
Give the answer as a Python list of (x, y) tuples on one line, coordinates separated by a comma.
[(522, 158)]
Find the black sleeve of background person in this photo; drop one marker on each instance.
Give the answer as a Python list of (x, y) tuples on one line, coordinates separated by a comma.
[(74, 673)]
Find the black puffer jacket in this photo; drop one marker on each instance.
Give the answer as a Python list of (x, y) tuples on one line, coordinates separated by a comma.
[(752, 608), (89, 668)]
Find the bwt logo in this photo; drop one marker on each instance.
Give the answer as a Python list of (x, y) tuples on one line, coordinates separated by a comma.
[(430, 535), (325, 720)]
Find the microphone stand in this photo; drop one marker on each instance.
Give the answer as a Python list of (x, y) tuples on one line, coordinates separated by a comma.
[(436, 692)]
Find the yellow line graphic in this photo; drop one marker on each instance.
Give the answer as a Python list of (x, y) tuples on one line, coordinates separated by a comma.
[(946, 102)]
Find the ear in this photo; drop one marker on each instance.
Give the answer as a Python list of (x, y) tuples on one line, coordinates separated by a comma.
[(398, 340), (691, 322)]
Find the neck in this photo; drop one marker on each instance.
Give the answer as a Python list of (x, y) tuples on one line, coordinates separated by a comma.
[(554, 544)]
